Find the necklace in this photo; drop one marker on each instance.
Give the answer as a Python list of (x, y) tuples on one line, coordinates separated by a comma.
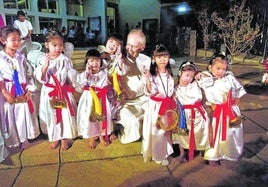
[(165, 90)]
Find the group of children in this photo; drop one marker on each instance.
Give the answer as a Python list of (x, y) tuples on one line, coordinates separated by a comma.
[(206, 103), (214, 127)]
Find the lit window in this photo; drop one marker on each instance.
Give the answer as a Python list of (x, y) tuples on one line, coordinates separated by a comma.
[(48, 6), (16, 4), (75, 7)]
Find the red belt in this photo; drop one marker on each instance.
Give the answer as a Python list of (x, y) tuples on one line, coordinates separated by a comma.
[(65, 89), (167, 104), (199, 107)]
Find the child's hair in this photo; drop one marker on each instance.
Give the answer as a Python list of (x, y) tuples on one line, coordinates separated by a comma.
[(92, 53), (160, 50), (51, 34), (20, 13), (187, 66), (218, 57), (5, 31), (118, 37)]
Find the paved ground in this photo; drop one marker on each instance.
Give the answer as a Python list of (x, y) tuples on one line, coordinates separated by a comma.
[(122, 165)]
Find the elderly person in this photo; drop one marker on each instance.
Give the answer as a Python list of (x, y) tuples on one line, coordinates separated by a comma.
[(130, 116)]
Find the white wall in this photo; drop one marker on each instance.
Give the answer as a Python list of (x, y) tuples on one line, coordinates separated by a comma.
[(94, 8)]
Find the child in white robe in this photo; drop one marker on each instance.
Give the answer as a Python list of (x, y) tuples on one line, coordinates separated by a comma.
[(57, 112), (94, 109), (223, 92), (156, 142), (193, 129), (18, 115)]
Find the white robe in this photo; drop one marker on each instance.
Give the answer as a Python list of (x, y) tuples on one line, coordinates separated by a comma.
[(132, 110), (189, 95), (216, 91), (86, 127), (156, 143), (18, 122), (62, 68)]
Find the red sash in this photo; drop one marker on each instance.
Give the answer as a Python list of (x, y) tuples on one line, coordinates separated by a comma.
[(200, 108), (102, 94)]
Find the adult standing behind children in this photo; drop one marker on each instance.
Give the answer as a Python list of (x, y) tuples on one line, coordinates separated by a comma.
[(132, 111), (26, 30)]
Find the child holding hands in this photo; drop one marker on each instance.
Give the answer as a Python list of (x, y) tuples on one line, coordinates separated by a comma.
[(223, 93)]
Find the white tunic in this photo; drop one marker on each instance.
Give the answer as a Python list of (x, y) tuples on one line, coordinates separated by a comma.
[(216, 91), (156, 143), (131, 113), (19, 122), (190, 95), (87, 128), (62, 68)]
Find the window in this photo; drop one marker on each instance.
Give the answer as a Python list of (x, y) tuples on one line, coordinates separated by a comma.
[(48, 6), (75, 7), (16, 4)]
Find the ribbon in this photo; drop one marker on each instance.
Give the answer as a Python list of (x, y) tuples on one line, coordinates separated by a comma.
[(100, 109), (61, 93), (225, 110), (167, 104), (199, 107), (182, 124), (23, 87), (116, 83), (18, 88)]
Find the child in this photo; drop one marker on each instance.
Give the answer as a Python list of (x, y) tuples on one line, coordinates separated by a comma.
[(94, 110), (57, 103), (156, 143), (223, 92), (189, 95), (18, 117), (113, 58)]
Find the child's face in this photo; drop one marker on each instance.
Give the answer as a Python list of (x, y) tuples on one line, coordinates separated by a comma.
[(55, 47), (93, 64), (13, 41), (218, 68), (112, 46), (161, 61), (186, 77)]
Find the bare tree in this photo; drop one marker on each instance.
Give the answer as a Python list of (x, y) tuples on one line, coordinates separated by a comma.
[(236, 29), (204, 20)]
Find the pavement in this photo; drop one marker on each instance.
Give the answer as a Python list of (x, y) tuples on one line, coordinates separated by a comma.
[(122, 165)]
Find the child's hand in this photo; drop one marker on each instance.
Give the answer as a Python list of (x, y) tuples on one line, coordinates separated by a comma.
[(146, 73), (199, 75), (47, 60), (88, 69), (9, 98)]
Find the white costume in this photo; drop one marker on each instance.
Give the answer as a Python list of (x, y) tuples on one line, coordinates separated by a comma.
[(3, 150), (190, 97), (156, 143), (58, 123), (19, 120), (100, 84), (131, 113), (227, 142)]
